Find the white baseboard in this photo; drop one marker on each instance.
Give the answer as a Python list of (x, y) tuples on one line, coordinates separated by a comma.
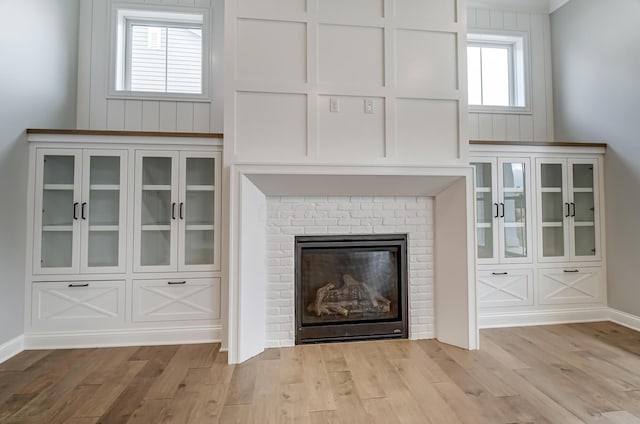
[(543, 317), (129, 337), (624, 319), (11, 348)]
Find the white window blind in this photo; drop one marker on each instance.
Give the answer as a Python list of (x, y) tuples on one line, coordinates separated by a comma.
[(164, 58)]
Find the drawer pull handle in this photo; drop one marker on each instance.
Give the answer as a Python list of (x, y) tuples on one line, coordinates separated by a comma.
[(79, 285), (571, 270), (176, 282), (499, 273)]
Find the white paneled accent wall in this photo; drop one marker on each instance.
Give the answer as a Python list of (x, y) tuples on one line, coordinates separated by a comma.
[(345, 81), (536, 125), (289, 216), (101, 110)]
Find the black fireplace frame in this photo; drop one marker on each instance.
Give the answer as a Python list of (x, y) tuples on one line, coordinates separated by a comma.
[(351, 331)]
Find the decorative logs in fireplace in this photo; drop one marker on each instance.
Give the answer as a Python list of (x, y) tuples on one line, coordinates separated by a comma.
[(354, 297), (351, 287)]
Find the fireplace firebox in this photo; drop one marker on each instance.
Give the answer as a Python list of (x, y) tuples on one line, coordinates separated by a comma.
[(350, 287)]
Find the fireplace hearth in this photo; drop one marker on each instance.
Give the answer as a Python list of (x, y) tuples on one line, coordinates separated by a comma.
[(350, 287)]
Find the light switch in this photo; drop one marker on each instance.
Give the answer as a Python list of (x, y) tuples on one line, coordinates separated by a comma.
[(368, 106), (334, 104)]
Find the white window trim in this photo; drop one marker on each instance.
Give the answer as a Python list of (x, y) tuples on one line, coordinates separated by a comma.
[(522, 53), (116, 37)]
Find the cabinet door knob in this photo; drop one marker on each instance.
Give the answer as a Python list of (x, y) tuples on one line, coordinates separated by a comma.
[(84, 210), (173, 210), (497, 215), (75, 210), (502, 208), (573, 210), (568, 214), (182, 210)]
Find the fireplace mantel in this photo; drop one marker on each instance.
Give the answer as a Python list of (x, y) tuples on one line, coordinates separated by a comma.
[(454, 259)]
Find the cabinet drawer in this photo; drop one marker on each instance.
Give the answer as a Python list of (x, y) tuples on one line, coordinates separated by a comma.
[(176, 299), (570, 285), (505, 288), (77, 305)]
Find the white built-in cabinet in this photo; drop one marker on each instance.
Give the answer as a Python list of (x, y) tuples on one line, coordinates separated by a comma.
[(539, 232), (125, 239)]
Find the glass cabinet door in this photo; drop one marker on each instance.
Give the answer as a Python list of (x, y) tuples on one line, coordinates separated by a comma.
[(102, 211), (58, 202), (513, 209), (197, 207), (486, 209), (553, 209), (583, 209), (197, 211), (156, 210)]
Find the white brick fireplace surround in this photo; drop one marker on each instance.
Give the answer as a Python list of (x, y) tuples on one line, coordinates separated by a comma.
[(289, 216), (273, 203)]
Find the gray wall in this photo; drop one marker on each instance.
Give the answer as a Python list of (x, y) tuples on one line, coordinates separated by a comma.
[(596, 71), (38, 51)]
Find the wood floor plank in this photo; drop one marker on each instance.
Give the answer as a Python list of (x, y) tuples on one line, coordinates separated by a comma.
[(292, 405), (235, 414), (621, 417), (243, 382), (24, 360), (291, 369), (365, 370), (347, 402), (110, 389), (565, 374), (132, 398), (265, 404), (65, 384)]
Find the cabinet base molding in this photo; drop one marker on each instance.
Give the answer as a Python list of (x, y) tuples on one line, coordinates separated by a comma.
[(129, 337), (543, 317), (11, 348), (624, 319)]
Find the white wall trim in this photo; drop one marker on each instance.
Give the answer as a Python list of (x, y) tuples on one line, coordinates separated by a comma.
[(624, 319), (131, 337), (546, 317), (531, 6), (11, 348)]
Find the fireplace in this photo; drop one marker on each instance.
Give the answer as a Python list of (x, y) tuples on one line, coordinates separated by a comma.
[(350, 287)]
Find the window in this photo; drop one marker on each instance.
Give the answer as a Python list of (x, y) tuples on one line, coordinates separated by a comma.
[(160, 52), (496, 72)]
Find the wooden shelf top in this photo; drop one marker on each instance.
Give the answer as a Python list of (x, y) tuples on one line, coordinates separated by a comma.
[(125, 133), (538, 143)]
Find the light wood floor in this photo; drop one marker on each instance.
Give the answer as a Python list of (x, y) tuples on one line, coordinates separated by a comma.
[(582, 373)]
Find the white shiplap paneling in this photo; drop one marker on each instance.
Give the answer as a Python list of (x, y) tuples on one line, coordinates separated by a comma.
[(97, 110), (538, 125)]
